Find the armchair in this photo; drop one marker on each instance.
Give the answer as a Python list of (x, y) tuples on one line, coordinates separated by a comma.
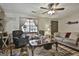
[(18, 39)]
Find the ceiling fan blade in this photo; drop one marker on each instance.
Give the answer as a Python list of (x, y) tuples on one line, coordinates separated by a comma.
[(59, 9), (43, 8), (50, 5), (56, 4), (44, 12), (33, 12)]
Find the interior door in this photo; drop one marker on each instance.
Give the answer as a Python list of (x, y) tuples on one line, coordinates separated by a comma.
[(54, 27)]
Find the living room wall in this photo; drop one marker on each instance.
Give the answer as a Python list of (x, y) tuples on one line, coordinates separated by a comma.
[(44, 24), (64, 27), (12, 21)]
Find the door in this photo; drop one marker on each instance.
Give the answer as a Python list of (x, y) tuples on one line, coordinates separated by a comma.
[(54, 27)]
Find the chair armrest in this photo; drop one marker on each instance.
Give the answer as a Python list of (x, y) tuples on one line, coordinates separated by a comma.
[(15, 38)]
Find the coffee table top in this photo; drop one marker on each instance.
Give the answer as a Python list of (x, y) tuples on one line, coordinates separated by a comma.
[(39, 45)]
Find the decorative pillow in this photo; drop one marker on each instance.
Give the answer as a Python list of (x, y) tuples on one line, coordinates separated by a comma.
[(67, 34)]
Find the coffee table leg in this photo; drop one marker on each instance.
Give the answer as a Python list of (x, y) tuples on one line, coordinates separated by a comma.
[(32, 51), (10, 51), (56, 46)]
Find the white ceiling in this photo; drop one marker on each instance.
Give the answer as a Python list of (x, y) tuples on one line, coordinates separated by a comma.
[(71, 9)]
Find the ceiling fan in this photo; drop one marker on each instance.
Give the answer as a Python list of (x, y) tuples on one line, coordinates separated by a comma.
[(52, 7)]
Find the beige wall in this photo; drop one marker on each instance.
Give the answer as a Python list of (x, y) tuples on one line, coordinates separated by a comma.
[(11, 22), (44, 24), (64, 27)]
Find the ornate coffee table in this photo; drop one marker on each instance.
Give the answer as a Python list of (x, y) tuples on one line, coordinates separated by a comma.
[(33, 47)]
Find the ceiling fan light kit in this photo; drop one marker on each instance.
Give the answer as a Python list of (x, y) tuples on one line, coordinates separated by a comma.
[(51, 12)]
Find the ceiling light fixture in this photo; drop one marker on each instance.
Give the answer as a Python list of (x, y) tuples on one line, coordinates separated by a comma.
[(51, 12)]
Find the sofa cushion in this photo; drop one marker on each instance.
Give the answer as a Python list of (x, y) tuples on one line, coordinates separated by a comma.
[(73, 36), (59, 34), (62, 34), (56, 34)]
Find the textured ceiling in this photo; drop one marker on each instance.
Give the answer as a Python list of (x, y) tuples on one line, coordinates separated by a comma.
[(71, 9)]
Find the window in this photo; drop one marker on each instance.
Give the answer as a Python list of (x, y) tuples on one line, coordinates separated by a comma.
[(29, 26)]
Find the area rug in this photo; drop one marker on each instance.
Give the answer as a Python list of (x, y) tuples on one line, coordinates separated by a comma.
[(40, 51), (15, 52), (53, 52)]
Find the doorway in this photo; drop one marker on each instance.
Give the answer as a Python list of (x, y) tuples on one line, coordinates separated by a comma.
[(54, 27)]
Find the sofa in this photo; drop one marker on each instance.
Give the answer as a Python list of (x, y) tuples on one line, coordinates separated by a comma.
[(69, 37)]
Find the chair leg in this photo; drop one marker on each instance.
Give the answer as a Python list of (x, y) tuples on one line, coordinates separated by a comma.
[(10, 51), (56, 43)]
